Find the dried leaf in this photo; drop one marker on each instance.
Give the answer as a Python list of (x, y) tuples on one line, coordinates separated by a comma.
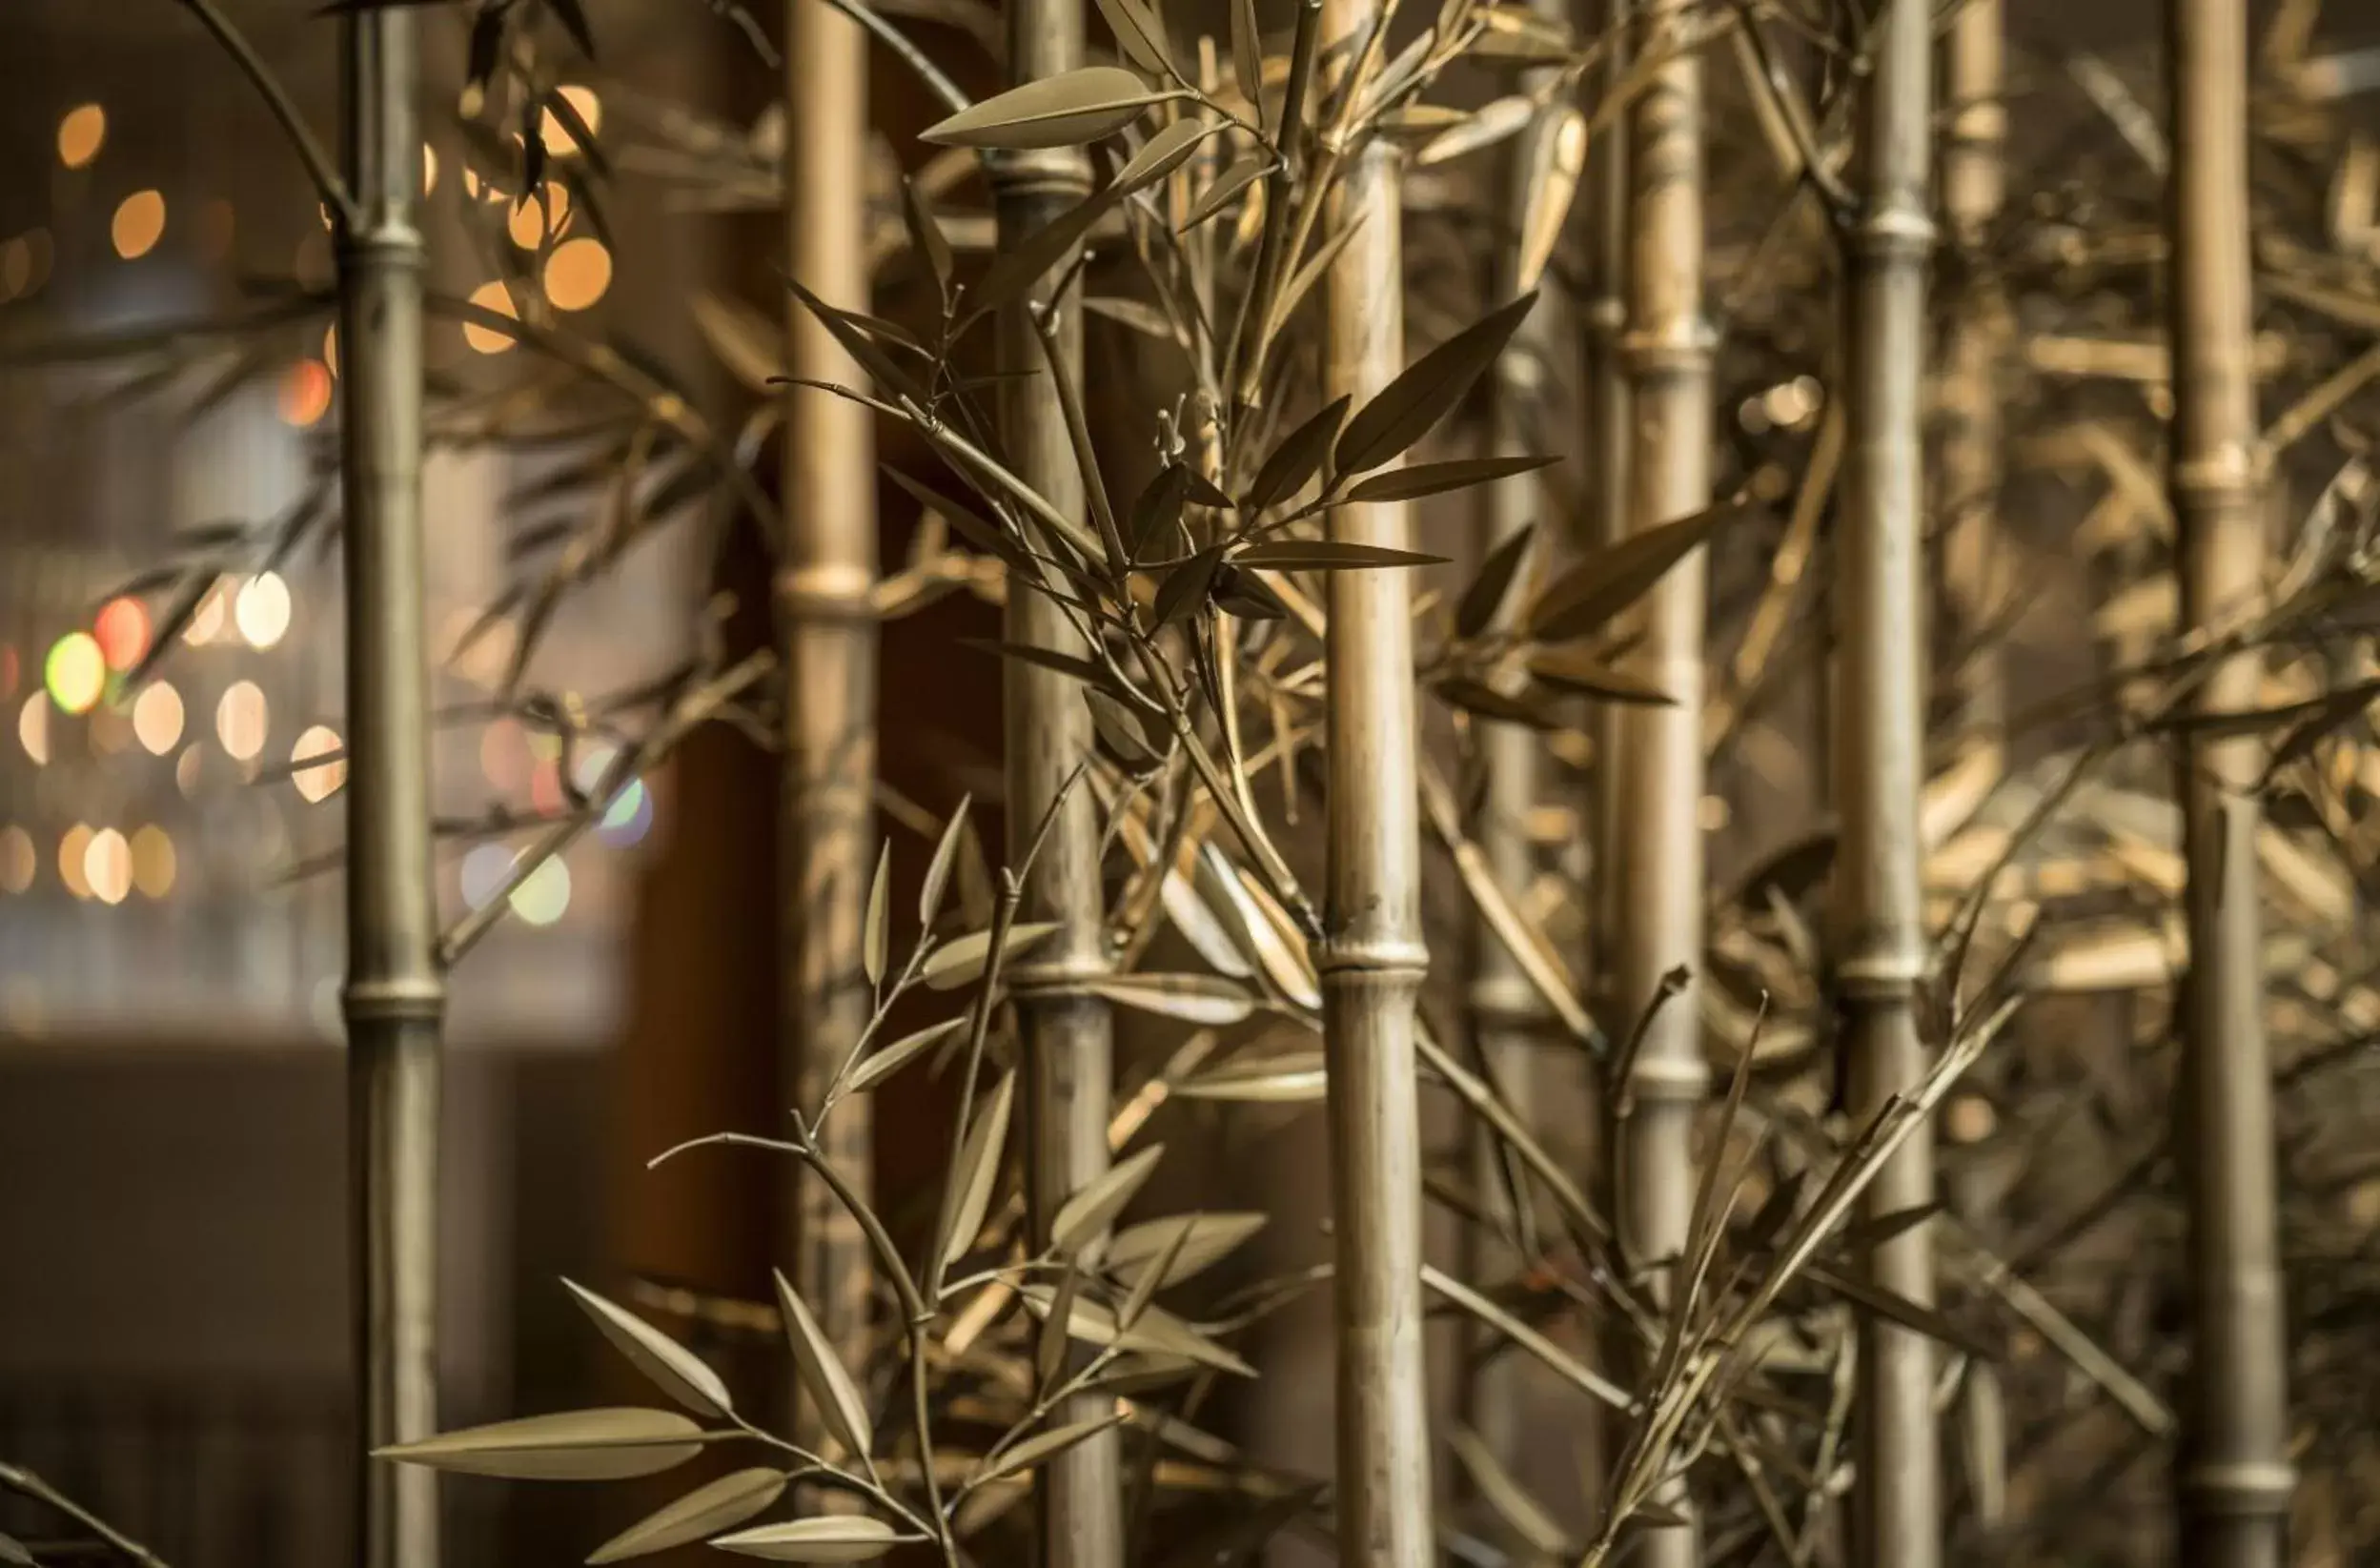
[(1495, 122), (1035, 1450), (938, 869), (1298, 459), (723, 1503), (841, 1538), (579, 1445), (963, 960), (669, 1366), (1584, 599), (884, 1063), (977, 1173), (1287, 1078), (1064, 110), (879, 919), (1436, 478), (1410, 407), (1574, 669), (824, 1376), (1321, 554), (1556, 161), (1192, 998), (1211, 1238), (1085, 1217)]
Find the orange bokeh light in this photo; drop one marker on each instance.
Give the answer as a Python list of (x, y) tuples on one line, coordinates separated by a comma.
[(306, 393), (122, 632)]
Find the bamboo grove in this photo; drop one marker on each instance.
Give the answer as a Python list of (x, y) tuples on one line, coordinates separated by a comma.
[(1736, 677)]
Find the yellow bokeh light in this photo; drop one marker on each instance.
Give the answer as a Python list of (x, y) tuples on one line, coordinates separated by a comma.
[(18, 860), (108, 867), (81, 134), (557, 136), (33, 728), (305, 392), (139, 223), (318, 783), (330, 348), (153, 862), (263, 610), (489, 297), (544, 216), (544, 894), (72, 851), (241, 720), (576, 273), (75, 672), (157, 717), (429, 168)]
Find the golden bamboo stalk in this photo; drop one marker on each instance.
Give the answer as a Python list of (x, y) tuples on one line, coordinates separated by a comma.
[(1371, 960), (1878, 948), (826, 638), (1974, 561), (1656, 866), (2235, 1478), (396, 993), (1609, 427), (1065, 1031)]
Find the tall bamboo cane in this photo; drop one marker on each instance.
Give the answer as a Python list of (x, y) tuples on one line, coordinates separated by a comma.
[(826, 636), (1658, 845), (2235, 1478), (1974, 180), (394, 995), (1066, 1031), (1609, 443), (1880, 949), (1371, 959)]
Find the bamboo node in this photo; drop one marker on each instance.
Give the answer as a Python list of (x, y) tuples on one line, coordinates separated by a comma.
[(1070, 976), (1038, 172), (388, 241), (1667, 1080), (1883, 975), (1507, 1002), (829, 590), (2240, 1489), (1380, 955), (1684, 344), (397, 998), (1896, 232), (2225, 473)]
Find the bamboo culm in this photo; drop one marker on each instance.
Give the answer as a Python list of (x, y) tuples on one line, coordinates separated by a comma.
[(1878, 947), (826, 639), (394, 999), (1065, 1031), (1371, 959), (1657, 868), (2235, 1478)]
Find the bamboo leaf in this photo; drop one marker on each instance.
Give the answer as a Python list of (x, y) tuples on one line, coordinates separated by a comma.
[(1524, 1514), (884, 1064), (1155, 1332), (1049, 658), (879, 922), (1049, 1345), (1144, 1290), (1488, 703), (1159, 509), (1287, 1078), (1085, 1217), (938, 869), (1573, 670), (1016, 269), (977, 1173), (1067, 110), (1298, 459), (1584, 599), (1498, 121), (1140, 317), (1558, 159), (841, 1538), (1248, 53), (1323, 555), (824, 1376), (1138, 35), (925, 235), (669, 1366), (1244, 170), (1302, 281), (1192, 998), (963, 960), (723, 1503), (13, 1552), (1162, 154), (856, 341), (1211, 1238), (1041, 1450), (1482, 604), (579, 1445), (1436, 478), (1245, 595), (1410, 407), (1525, 1337), (1185, 588)]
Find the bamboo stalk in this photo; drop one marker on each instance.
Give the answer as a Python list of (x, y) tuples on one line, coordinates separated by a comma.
[(826, 638), (1656, 866), (394, 994), (1974, 559), (1879, 952), (1065, 1031), (1370, 959), (2235, 1476), (1609, 424)]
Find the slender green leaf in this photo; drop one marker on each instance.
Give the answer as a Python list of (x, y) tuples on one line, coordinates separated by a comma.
[(963, 960)]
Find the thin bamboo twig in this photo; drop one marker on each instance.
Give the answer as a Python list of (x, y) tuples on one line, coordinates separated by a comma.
[(1880, 952), (1370, 959), (2235, 1476), (1065, 1030), (1657, 868), (826, 640), (395, 992)]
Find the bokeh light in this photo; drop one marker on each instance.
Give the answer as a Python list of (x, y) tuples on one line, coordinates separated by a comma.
[(545, 789), (188, 770), (486, 339), (122, 632), (305, 392), (75, 672), (330, 348), (543, 217), (577, 274), (629, 815), (157, 717), (543, 896), (262, 609), (19, 861), (81, 133), (71, 852), (318, 783), (429, 168), (557, 138), (153, 862), (241, 720), (138, 224), (108, 867), (33, 728), (483, 872)]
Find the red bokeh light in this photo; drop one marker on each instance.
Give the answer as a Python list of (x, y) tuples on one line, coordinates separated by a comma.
[(122, 633)]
